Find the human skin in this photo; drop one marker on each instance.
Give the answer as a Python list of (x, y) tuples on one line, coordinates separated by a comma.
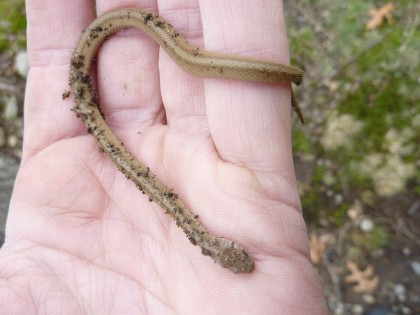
[(81, 239)]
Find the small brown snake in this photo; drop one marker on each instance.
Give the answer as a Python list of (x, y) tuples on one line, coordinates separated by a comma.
[(199, 63)]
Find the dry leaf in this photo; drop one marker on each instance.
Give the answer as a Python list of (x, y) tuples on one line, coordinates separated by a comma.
[(317, 247), (332, 85), (319, 244), (365, 280), (378, 15), (355, 210)]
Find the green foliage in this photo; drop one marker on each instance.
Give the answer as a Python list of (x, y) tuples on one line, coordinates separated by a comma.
[(369, 75), (12, 24), (339, 214), (301, 142), (377, 238)]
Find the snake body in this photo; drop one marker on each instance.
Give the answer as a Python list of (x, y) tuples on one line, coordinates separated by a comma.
[(196, 62)]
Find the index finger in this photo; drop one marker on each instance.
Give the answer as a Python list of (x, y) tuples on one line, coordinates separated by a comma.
[(53, 29)]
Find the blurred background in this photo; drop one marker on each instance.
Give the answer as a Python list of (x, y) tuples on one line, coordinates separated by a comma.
[(357, 157)]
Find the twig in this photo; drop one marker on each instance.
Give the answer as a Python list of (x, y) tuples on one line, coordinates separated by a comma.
[(414, 207), (11, 89), (410, 34), (334, 279), (309, 17), (339, 69), (401, 227)]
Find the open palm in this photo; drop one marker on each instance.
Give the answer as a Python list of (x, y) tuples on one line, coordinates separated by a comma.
[(81, 239)]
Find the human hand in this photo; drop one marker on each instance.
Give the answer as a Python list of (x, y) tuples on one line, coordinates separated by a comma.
[(80, 238)]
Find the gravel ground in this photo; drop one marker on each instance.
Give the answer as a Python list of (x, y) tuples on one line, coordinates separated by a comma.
[(8, 170)]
